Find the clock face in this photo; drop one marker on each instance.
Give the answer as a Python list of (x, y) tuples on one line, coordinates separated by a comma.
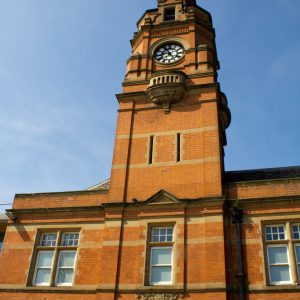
[(169, 53)]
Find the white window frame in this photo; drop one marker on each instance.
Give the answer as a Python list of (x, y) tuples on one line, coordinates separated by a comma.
[(63, 236), (297, 262), (48, 233), (58, 268), (36, 268), (294, 224), (161, 265), (57, 249), (162, 227), (272, 226), (285, 264)]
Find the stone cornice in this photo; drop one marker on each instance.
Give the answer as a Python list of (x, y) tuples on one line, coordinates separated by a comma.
[(173, 24), (209, 201), (142, 95), (265, 200)]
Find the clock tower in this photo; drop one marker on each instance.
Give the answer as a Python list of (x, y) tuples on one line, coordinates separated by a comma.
[(172, 114)]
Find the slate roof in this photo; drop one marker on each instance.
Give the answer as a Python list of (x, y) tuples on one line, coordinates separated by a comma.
[(102, 186), (262, 174)]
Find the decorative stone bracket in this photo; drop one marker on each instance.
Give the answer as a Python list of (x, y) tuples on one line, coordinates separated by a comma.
[(159, 296)]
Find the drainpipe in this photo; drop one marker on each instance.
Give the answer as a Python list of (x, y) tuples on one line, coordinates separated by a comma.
[(117, 280), (237, 216)]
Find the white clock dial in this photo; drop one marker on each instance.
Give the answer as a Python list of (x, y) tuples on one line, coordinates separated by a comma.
[(169, 53)]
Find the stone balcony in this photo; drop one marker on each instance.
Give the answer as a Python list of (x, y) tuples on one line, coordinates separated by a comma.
[(166, 89)]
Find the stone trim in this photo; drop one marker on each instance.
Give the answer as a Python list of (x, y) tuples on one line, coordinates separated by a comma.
[(137, 82), (166, 133), (47, 290), (276, 289), (269, 290), (67, 193), (138, 95), (146, 81), (264, 200), (55, 209), (112, 205), (175, 105), (160, 290), (159, 296), (172, 163)]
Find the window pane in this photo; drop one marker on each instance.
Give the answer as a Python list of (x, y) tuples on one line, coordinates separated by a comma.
[(155, 231), (277, 255), (274, 229), (66, 258), (161, 256), (49, 239), (162, 238), (296, 231), (269, 237), (279, 273), (297, 253), (162, 234), (275, 233), (161, 274), (70, 239), (169, 238), (65, 276), (45, 259), (155, 238), (43, 276)]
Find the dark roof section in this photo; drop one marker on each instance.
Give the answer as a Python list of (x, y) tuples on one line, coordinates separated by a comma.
[(262, 174)]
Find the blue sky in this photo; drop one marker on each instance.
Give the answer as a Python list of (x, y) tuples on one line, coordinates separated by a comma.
[(62, 62)]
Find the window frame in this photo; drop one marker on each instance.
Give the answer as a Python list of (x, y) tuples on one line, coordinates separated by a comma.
[(290, 243), (42, 239), (58, 268), (159, 245), (36, 268), (297, 264), (57, 249), (160, 265), (169, 8), (286, 264)]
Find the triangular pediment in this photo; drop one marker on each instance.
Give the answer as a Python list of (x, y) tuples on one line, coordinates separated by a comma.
[(162, 197)]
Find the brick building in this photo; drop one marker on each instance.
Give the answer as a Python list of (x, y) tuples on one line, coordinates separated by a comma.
[(170, 223)]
